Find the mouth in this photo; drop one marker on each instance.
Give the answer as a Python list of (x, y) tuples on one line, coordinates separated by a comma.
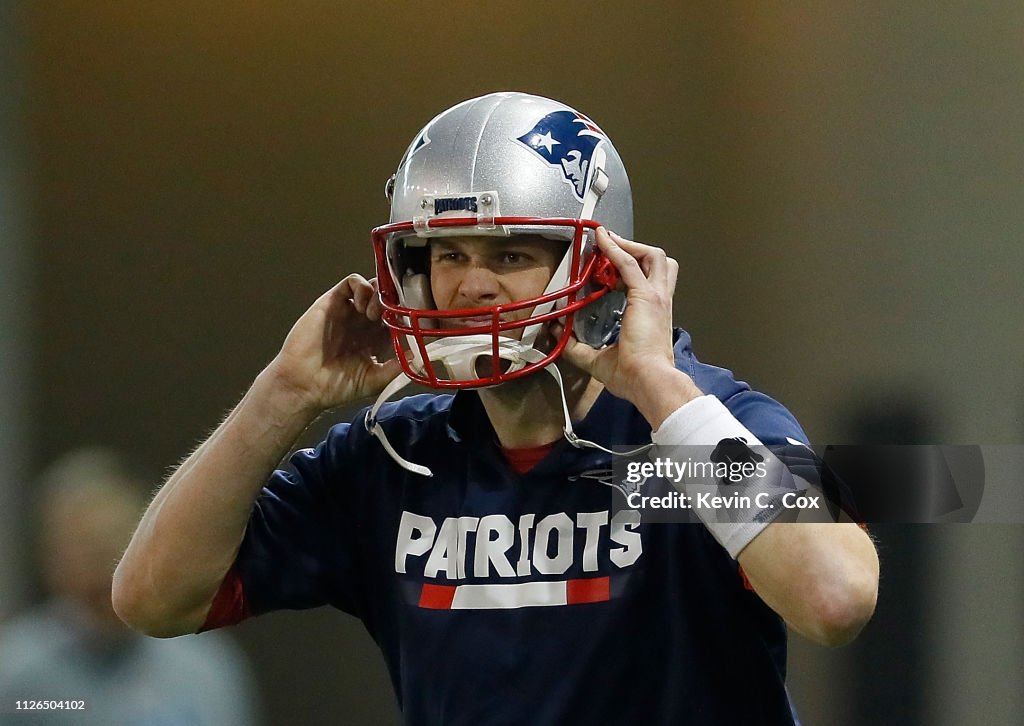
[(482, 322), (475, 321)]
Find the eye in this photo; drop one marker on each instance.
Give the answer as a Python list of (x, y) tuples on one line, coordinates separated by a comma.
[(447, 256), (513, 258)]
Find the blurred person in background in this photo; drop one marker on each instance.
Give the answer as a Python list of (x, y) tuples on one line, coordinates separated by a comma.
[(73, 648)]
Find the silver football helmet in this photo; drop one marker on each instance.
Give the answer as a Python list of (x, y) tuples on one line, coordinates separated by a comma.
[(502, 164)]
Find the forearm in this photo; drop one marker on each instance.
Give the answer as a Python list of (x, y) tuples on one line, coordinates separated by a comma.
[(822, 578), (662, 391), (189, 536)]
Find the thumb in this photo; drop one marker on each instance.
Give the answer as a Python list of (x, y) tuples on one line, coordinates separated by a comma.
[(381, 373), (579, 354)]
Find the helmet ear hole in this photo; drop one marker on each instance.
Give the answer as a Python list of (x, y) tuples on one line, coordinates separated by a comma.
[(407, 260), (598, 323), (418, 295), (416, 290)]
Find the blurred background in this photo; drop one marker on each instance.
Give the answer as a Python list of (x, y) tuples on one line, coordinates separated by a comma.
[(842, 183)]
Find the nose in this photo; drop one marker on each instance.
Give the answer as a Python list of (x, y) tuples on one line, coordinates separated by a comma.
[(479, 286)]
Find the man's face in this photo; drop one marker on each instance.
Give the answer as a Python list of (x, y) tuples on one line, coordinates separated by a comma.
[(477, 272)]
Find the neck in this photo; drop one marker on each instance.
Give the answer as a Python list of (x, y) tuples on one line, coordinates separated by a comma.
[(527, 412)]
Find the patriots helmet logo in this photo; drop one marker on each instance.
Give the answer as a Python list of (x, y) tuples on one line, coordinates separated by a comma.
[(422, 140), (566, 139)]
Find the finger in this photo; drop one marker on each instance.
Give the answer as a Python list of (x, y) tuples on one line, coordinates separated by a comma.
[(381, 374), (374, 309), (362, 292), (625, 263), (673, 275), (334, 304), (385, 348), (337, 299), (652, 260)]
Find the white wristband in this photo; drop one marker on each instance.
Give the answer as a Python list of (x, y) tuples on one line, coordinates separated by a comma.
[(704, 423), (704, 420)]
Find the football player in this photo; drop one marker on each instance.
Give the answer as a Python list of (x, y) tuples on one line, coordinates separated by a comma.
[(471, 530)]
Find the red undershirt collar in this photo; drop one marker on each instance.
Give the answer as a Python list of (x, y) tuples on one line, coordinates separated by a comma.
[(522, 460)]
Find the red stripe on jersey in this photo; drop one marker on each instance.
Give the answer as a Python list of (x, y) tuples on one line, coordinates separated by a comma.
[(229, 606), (593, 589), (437, 597)]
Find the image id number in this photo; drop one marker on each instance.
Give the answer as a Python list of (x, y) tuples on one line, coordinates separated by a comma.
[(33, 705)]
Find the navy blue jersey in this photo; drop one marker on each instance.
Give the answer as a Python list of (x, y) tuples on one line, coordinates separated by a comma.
[(499, 597)]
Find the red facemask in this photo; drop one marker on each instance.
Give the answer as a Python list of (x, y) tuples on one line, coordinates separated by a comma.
[(584, 276)]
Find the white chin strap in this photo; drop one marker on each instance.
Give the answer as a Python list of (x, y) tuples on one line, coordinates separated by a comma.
[(459, 354)]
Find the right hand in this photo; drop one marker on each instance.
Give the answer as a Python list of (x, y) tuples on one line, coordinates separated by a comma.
[(330, 357)]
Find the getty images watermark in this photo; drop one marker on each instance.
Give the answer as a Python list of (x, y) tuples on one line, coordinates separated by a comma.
[(732, 481), (708, 484)]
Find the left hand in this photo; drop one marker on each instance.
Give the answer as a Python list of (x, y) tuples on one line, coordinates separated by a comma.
[(641, 363)]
